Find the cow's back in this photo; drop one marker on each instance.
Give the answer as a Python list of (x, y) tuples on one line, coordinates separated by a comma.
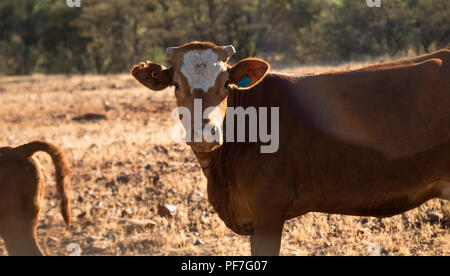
[(398, 112)]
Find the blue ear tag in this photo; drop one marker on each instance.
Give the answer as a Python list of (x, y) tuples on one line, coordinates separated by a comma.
[(244, 82)]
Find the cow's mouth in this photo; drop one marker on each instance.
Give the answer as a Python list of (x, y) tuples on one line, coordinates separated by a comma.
[(205, 147)]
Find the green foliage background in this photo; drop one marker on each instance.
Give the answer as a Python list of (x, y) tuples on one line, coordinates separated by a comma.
[(108, 36)]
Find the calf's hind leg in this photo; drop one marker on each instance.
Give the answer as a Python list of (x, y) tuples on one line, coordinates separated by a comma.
[(19, 235), (20, 221)]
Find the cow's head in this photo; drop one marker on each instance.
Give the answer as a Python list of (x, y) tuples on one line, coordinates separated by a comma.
[(200, 72)]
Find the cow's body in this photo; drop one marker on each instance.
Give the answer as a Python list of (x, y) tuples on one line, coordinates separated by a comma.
[(368, 142)]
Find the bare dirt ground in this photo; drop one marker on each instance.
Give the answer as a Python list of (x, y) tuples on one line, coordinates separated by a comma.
[(125, 165)]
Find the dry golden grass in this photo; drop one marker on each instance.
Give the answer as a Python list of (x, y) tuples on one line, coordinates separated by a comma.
[(116, 218)]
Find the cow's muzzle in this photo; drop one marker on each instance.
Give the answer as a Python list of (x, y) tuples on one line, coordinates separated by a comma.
[(207, 139)]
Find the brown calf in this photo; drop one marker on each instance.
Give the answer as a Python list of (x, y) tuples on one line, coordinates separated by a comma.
[(22, 191), (368, 142)]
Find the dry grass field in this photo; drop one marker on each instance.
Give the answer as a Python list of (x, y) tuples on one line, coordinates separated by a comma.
[(126, 165)]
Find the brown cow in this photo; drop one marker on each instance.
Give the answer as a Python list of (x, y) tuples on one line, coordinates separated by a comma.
[(21, 194), (368, 142)]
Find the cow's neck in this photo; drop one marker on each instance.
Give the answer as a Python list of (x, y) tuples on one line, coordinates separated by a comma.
[(219, 172), (212, 160), (207, 160)]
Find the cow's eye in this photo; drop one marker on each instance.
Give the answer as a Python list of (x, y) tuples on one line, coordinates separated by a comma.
[(177, 86), (227, 83)]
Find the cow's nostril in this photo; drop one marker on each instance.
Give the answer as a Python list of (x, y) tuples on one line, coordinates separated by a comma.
[(198, 135)]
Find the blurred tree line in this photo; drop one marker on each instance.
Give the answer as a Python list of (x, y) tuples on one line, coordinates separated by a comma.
[(46, 36)]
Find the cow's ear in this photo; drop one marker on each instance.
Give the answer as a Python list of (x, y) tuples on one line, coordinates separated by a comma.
[(153, 75), (248, 72)]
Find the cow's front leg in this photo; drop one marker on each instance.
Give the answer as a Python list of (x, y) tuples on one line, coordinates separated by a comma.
[(270, 203), (268, 227)]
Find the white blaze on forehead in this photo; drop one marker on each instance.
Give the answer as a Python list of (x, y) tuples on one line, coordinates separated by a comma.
[(201, 68)]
